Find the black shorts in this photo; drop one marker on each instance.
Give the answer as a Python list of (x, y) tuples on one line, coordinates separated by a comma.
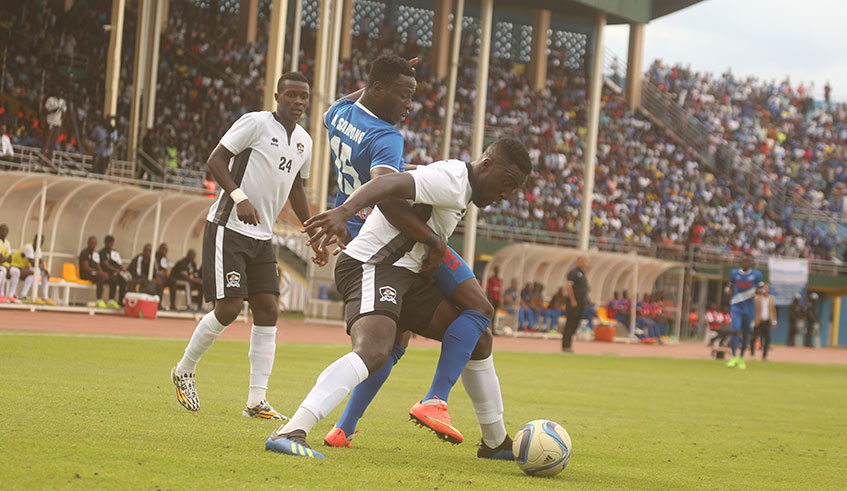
[(377, 289), (237, 266)]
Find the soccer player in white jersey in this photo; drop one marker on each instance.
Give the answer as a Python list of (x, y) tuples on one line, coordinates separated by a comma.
[(383, 287), (260, 163)]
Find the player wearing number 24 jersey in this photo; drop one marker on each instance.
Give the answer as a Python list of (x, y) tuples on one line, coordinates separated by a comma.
[(361, 141)]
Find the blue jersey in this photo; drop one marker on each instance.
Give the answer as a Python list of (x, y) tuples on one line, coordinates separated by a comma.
[(360, 141), (743, 285)]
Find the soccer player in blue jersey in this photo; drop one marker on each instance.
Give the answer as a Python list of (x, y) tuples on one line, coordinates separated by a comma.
[(365, 145), (742, 284)]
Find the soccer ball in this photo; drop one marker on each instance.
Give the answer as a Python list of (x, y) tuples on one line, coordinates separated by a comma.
[(542, 448)]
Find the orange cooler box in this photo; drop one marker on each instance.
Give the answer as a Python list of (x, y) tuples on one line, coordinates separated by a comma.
[(141, 305), (604, 333)]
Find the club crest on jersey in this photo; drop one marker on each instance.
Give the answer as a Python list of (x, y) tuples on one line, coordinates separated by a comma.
[(388, 294), (233, 279), (300, 148), (274, 142)]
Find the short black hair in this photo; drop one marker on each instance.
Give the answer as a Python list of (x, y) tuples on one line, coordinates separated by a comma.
[(386, 68), (510, 151), (296, 76), (108, 238)]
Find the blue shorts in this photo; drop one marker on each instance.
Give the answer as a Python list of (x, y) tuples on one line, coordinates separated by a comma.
[(742, 319), (452, 273)]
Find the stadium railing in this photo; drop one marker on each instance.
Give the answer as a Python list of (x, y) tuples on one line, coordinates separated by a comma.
[(692, 255)]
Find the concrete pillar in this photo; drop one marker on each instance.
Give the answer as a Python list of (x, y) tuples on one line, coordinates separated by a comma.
[(276, 47), (295, 36), (166, 6), (440, 38), (152, 72), (633, 65), (248, 16), (486, 15), (113, 59), (447, 137), (331, 88), (319, 103), (595, 89), (538, 55), (347, 31), (141, 43)]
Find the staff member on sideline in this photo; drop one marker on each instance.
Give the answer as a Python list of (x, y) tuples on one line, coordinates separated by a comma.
[(765, 319), (577, 300)]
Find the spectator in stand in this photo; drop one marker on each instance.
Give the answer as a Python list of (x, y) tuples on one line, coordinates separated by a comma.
[(7, 153), (185, 276), (796, 319), (577, 287), (112, 265), (511, 298), (494, 287), (103, 141), (54, 112), (90, 270), (525, 314), (5, 267), (25, 261), (554, 310), (765, 320)]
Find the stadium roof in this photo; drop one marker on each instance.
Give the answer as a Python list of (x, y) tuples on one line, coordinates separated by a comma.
[(619, 11)]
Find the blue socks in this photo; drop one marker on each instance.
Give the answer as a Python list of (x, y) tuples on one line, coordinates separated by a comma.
[(364, 393), (456, 348), (744, 340), (734, 344)]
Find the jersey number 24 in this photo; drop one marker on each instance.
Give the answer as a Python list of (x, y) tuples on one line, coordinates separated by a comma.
[(348, 178)]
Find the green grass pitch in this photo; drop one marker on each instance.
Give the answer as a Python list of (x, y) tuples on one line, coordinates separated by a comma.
[(100, 412)]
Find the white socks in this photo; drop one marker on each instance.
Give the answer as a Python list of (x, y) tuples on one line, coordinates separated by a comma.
[(262, 349), (14, 277), (483, 387), (333, 385), (205, 334)]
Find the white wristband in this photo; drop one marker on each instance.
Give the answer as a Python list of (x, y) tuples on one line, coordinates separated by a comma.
[(237, 195)]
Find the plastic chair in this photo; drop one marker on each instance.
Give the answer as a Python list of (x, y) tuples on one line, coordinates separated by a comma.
[(69, 273)]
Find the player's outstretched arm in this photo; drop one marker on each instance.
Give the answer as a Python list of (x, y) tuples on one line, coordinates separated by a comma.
[(410, 223), (300, 205), (218, 165), (329, 226)]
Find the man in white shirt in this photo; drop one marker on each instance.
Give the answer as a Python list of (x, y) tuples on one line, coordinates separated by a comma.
[(262, 158), (55, 108), (7, 153), (380, 269)]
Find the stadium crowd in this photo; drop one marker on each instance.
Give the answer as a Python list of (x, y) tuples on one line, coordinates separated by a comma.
[(649, 188)]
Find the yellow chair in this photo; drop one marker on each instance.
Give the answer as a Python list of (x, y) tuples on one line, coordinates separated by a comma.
[(69, 273)]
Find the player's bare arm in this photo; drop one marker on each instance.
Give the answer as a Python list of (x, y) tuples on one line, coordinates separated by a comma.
[(329, 226), (300, 205), (218, 165)]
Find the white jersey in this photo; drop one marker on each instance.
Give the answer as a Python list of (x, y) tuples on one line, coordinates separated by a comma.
[(265, 165), (444, 185), (56, 108)]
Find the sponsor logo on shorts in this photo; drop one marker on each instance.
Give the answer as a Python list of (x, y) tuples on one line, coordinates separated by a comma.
[(233, 279), (388, 294)]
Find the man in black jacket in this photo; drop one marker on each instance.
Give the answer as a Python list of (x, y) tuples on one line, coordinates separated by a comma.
[(577, 287)]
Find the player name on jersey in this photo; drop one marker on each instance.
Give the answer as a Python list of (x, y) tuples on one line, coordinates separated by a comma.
[(346, 128)]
